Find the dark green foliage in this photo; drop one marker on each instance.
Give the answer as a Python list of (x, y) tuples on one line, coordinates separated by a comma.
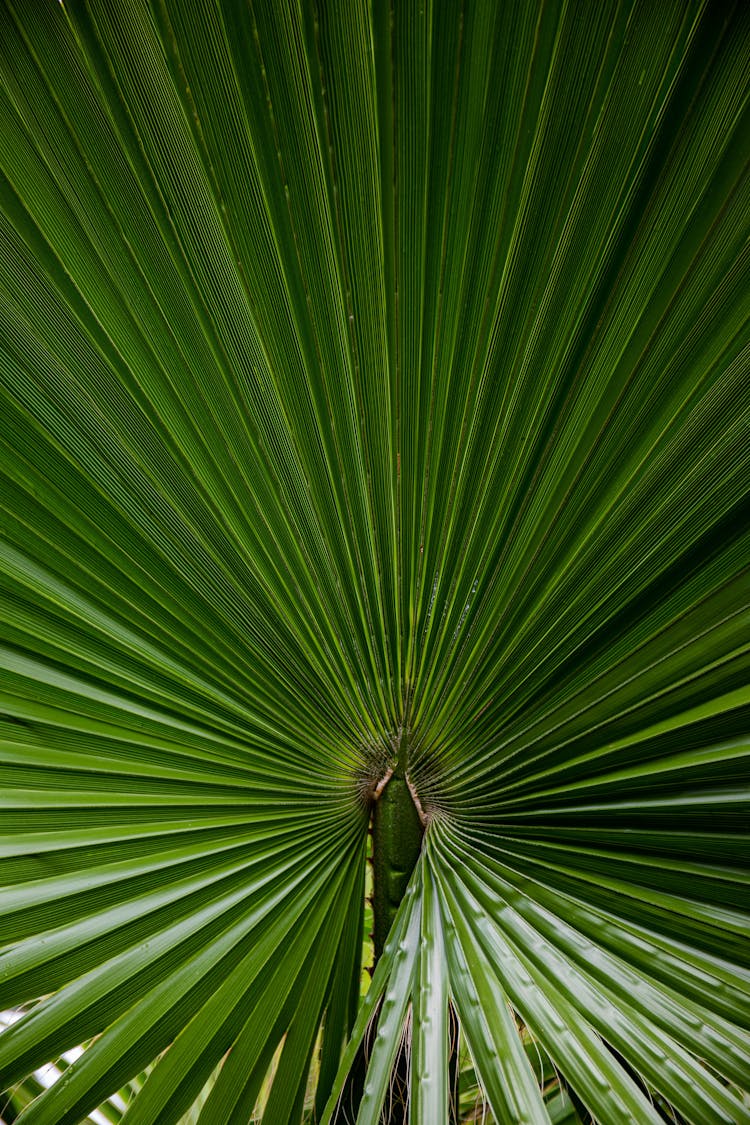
[(370, 368)]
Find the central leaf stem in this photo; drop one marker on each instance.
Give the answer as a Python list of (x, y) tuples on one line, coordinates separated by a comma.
[(397, 832)]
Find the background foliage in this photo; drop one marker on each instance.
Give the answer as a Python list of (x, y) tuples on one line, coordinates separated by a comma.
[(370, 368)]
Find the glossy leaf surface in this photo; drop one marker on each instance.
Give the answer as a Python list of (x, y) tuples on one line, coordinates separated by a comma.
[(368, 371)]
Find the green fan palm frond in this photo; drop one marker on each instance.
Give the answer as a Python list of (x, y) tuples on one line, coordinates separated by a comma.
[(375, 456)]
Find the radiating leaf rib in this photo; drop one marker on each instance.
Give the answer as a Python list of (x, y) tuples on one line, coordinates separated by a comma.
[(431, 1046), (393, 1011), (396, 963), (240, 1010), (694, 1025), (693, 1091), (483, 1010), (571, 1042)]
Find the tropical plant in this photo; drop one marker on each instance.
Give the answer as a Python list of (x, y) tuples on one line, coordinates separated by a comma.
[(375, 444)]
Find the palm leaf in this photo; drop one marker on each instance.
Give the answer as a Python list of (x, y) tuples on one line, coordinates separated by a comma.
[(375, 385)]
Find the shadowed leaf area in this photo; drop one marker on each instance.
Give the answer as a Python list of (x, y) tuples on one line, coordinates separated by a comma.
[(375, 483)]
